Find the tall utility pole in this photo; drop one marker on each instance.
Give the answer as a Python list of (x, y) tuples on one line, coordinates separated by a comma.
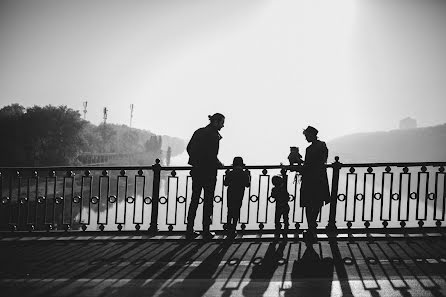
[(168, 155), (85, 109), (105, 115), (131, 114)]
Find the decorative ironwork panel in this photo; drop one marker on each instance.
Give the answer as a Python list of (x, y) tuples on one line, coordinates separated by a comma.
[(393, 195), (368, 198), (440, 195)]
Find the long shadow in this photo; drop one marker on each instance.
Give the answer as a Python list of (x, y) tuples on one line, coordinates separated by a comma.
[(235, 268), (41, 260), (365, 273), (396, 279), (341, 271), (263, 272), (312, 275), (31, 251), (175, 268), (112, 270), (117, 269), (200, 279), (86, 271), (51, 260), (401, 265), (428, 270), (92, 258), (149, 280), (427, 282)]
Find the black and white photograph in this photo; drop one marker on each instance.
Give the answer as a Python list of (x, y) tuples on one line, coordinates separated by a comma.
[(230, 148)]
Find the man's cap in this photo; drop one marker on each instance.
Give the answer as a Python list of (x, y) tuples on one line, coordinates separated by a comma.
[(216, 116)]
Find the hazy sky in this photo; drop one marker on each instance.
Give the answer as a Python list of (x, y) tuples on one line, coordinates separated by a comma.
[(272, 67)]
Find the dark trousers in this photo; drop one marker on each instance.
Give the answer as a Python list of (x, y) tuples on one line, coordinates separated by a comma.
[(282, 211), (202, 180), (312, 213), (233, 214)]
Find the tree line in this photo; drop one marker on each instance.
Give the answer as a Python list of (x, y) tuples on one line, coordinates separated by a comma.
[(58, 136)]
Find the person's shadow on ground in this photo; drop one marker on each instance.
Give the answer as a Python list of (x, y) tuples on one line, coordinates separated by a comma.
[(150, 279), (311, 275), (202, 278), (263, 272)]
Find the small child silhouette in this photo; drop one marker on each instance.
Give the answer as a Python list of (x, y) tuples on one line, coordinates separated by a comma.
[(236, 180), (280, 193)]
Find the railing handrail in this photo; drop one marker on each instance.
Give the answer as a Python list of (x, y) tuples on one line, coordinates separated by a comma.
[(279, 166), (394, 164)]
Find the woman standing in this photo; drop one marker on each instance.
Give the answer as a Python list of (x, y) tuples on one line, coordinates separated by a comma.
[(314, 191)]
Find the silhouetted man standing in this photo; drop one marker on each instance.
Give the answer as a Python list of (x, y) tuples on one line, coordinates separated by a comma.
[(203, 150)]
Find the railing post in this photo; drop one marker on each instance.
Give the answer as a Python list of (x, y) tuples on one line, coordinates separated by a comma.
[(331, 227), (285, 179), (155, 196)]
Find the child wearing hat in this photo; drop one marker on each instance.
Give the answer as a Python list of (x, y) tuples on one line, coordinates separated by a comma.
[(236, 180), (280, 193)]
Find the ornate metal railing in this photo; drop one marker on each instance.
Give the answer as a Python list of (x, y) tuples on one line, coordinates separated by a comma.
[(373, 197)]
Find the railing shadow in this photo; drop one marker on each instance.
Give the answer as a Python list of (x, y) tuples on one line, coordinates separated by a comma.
[(263, 272), (395, 267), (405, 267)]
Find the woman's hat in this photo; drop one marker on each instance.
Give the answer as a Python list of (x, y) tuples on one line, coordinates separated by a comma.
[(238, 161), (311, 130)]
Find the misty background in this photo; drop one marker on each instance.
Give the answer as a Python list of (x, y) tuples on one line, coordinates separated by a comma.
[(272, 67)]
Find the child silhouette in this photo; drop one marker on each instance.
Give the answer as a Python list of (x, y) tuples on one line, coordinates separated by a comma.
[(236, 180), (280, 193)]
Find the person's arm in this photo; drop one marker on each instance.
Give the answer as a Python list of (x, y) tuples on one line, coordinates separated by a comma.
[(219, 164), (274, 192), (295, 168), (210, 143), (325, 153), (193, 146), (227, 180), (248, 179), (286, 195), (308, 162)]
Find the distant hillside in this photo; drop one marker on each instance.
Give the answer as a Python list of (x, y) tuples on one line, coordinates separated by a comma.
[(58, 136), (143, 145), (123, 139), (411, 145)]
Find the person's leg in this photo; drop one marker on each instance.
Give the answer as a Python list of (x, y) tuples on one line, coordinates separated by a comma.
[(286, 222), (309, 215), (236, 216), (312, 213), (316, 210), (230, 217), (277, 223), (208, 203), (196, 192)]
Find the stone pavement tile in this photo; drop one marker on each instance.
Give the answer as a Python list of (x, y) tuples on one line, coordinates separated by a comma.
[(218, 287)]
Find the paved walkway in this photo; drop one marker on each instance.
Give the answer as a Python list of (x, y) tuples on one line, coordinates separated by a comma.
[(138, 266)]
